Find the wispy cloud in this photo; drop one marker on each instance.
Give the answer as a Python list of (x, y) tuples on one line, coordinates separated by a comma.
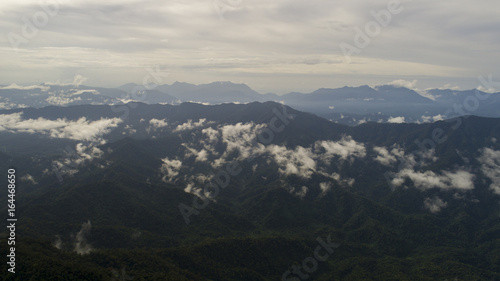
[(81, 129), (189, 125), (82, 247), (462, 180), (396, 120), (490, 165), (435, 204), (170, 169)]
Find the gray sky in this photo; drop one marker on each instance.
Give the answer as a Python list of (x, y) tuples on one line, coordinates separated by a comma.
[(273, 46)]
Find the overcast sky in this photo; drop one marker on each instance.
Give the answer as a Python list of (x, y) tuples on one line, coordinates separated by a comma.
[(273, 46)]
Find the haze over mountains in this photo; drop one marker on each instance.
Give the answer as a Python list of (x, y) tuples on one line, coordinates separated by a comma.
[(347, 105)]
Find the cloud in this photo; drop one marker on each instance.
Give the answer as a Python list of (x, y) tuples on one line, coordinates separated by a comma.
[(413, 167), (396, 120), (190, 188), (449, 87), (298, 162), (201, 156), (462, 180), (212, 134), (61, 100), (346, 148), (29, 178), (299, 192), (488, 90), (170, 169), (129, 130), (88, 152), (158, 123), (106, 38), (490, 166), (58, 243), (241, 138), (432, 119), (75, 158), (189, 125), (81, 245), (400, 83), (14, 86), (77, 92), (325, 187), (435, 204), (80, 129), (348, 182), (9, 105), (384, 157), (242, 143)]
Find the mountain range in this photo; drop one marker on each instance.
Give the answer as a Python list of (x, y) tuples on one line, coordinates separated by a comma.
[(250, 191), (347, 105)]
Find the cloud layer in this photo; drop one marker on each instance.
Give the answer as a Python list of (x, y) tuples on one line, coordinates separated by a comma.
[(201, 41)]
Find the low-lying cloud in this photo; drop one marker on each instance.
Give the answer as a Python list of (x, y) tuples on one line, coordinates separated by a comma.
[(490, 166), (435, 204), (81, 129)]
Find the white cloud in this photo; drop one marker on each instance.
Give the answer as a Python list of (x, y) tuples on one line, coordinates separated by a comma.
[(88, 152), (432, 119), (9, 105), (241, 138), (299, 192), (212, 134), (346, 148), (384, 157), (396, 120), (449, 87), (325, 187), (189, 125), (462, 180), (75, 158), (190, 188), (404, 83), (14, 86), (158, 123), (201, 156), (129, 130), (80, 129), (490, 166), (61, 100), (120, 38), (81, 245), (435, 204), (29, 178), (349, 182), (488, 90), (170, 169), (298, 162)]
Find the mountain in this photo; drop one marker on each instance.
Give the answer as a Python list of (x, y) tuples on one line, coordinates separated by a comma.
[(212, 93), (478, 102), (256, 191), (348, 105), (364, 101)]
